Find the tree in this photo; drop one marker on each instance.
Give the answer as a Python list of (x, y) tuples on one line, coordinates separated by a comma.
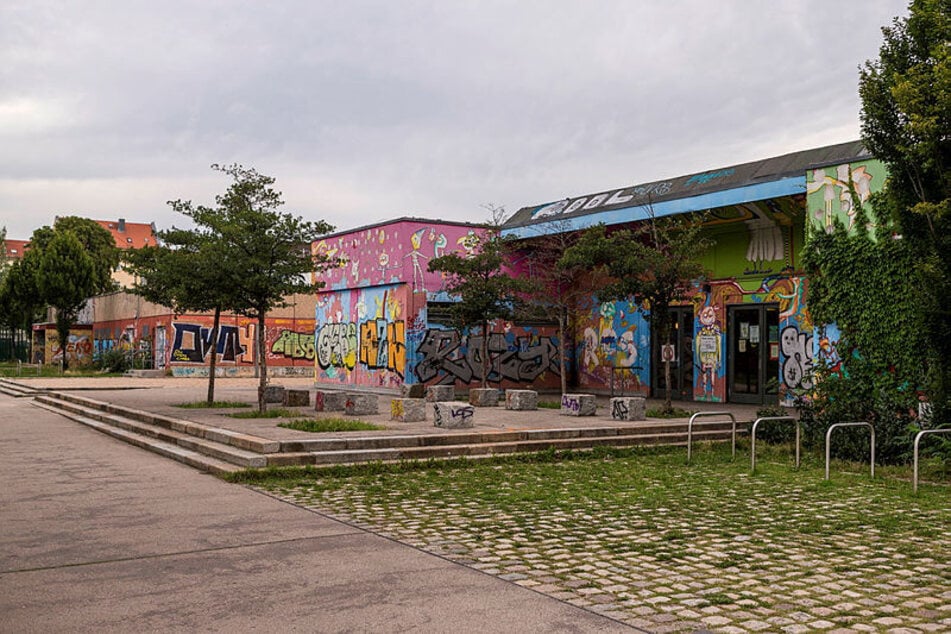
[(64, 278), (484, 290), (20, 304), (188, 271), (906, 123), (96, 241), (559, 288), (268, 253), (656, 261)]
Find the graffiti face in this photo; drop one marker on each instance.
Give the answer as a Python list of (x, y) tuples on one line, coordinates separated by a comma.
[(797, 368), (708, 316)]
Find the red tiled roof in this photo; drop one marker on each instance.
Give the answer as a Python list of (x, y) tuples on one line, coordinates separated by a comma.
[(129, 235)]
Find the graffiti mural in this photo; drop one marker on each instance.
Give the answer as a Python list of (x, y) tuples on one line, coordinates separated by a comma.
[(383, 345), (337, 345), (192, 343), (615, 347), (708, 355), (294, 345), (796, 346), (830, 192), (446, 357), (78, 350)]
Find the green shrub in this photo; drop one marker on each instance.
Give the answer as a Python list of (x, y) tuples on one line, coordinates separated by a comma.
[(115, 361)]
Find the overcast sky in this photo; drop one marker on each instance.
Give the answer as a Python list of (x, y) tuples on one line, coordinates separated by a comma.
[(365, 111)]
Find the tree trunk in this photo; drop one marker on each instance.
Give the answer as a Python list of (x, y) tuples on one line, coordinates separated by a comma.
[(485, 354), (214, 356), (262, 363), (562, 362), (666, 335)]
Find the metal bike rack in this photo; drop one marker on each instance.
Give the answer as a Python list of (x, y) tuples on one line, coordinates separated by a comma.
[(861, 424), (917, 440), (753, 438), (705, 415)]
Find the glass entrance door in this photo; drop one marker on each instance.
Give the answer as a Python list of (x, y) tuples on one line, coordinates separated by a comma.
[(680, 354), (754, 353)]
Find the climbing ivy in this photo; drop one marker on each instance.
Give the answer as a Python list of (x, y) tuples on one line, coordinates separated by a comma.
[(866, 281)]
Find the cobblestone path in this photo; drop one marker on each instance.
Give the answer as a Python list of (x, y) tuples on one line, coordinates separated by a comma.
[(671, 549)]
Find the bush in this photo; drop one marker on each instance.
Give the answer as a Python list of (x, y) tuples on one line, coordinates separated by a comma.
[(115, 361), (775, 432)]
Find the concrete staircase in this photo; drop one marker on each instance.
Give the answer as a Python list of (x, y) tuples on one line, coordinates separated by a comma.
[(17, 390), (219, 450)]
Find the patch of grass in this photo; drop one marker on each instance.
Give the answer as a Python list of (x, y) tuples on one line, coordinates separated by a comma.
[(674, 412), (549, 404), (318, 425), (213, 405), (279, 412)]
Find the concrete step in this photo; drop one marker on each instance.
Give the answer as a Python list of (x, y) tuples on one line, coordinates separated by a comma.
[(147, 433), (169, 450), (17, 390), (221, 435)]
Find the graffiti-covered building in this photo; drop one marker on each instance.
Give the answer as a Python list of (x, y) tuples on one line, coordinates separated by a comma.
[(382, 317), (747, 335), (182, 344)]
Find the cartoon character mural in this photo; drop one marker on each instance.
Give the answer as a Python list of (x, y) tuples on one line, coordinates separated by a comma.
[(708, 344), (829, 192), (615, 349)]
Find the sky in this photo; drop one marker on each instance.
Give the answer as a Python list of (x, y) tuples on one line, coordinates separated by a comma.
[(368, 111)]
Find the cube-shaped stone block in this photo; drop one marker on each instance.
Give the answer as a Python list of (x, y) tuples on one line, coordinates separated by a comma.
[(329, 401), (628, 408), (578, 405), (362, 404), (413, 390), (273, 394), (521, 400), (484, 397), (408, 410), (296, 398), (436, 393), (453, 414)]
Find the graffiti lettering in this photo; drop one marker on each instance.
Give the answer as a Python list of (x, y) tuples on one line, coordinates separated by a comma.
[(192, 343), (451, 357), (797, 367), (337, 346), (294, 345), (619, 410), (570, 403), (383, 345)]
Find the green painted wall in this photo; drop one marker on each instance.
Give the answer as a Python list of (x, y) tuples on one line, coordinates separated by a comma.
[(828, 196)]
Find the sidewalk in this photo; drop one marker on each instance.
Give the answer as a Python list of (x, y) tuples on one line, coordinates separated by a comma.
[(100, 536)]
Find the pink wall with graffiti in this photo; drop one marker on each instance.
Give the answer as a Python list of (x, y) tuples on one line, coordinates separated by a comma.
[(394, 252)]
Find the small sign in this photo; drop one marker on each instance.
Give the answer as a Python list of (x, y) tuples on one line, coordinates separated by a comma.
[(668, 352), (742, 345), (709, 343), (774, 352), (754, 334), (744, 330)]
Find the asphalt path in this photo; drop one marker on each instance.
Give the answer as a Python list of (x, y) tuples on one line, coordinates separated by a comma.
[(97, 535)]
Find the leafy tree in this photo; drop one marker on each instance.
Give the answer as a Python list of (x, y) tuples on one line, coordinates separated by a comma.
[(96, 241), (656, 261), (559, 288), (20, 305), (65, 279), (268, 252), (484, 290), (906, 123), (188, 271)]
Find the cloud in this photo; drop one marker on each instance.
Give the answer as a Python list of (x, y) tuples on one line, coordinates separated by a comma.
[(368, 110)]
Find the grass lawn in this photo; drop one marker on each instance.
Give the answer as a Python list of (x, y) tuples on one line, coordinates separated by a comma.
[(277, 412), (330, 424), (641, 536)]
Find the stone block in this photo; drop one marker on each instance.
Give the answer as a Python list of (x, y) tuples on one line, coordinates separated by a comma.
[(273, 394), (484, 397), (578, 405), (453, 414), (329, 401), (522, 400), (413, 390), (408, 410), (437, 393), (628, 408), (362, 404), (296, 398)]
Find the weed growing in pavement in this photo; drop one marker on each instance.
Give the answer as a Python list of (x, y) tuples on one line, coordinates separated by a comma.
[(278, 412), (676, 412), (318, 425)]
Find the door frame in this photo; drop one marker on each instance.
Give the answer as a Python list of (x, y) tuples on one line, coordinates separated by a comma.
[(763, 395), (683, 342)]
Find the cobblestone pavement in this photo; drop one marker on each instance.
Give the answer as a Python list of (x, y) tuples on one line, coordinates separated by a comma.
[(670, 549)]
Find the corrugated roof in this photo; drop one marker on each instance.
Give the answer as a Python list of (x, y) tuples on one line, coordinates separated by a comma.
[(727, 178)]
